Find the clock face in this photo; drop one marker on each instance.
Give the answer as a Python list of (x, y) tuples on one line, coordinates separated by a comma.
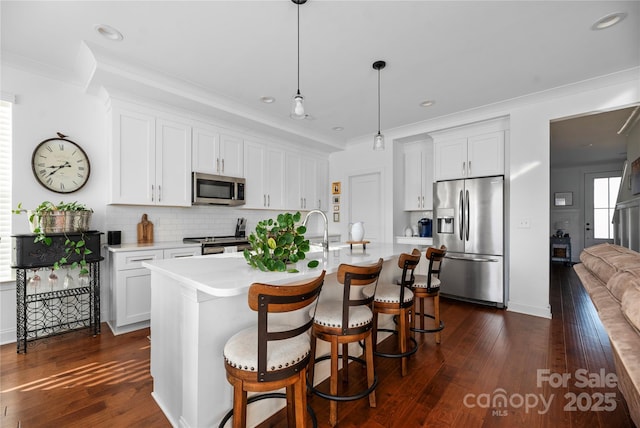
[(60, 165)]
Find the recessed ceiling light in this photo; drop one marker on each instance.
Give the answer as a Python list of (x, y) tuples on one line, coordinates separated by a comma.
[(427, 103), (109, 32), (267, 100), (338, 128), (609, 20)]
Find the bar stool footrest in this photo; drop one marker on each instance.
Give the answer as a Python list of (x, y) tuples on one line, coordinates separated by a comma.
[(411, 351), (357, 396), (428, 330), (259, 397)]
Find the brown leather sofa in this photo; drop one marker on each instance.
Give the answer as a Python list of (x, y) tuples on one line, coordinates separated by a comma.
[(611, 276)]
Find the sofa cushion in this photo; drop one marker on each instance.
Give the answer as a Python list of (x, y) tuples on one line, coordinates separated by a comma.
[(631, 306), (605, 260), (623, 280)]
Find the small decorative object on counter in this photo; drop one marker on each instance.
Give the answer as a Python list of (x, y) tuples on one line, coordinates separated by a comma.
[(145, 231), (357, 231)]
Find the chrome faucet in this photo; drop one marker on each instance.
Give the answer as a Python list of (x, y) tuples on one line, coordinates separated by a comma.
[(325, 237)]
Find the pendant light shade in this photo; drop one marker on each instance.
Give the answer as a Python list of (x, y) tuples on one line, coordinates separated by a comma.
[(297, 110), (378, 139)]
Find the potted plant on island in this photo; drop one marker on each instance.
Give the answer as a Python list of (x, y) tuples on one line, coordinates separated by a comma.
[(278, 243), (72, 217)]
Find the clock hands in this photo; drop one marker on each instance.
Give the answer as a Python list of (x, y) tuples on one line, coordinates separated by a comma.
[(59, 167)]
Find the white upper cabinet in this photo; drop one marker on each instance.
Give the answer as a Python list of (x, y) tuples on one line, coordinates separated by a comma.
[(322, 184), (301, 182), (217, 153), (418, 176), (473, 151), (150, 159), (264, 171)]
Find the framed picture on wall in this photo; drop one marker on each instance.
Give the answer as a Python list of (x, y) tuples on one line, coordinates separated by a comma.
[(562, 199), (336, 199), (335, 188)]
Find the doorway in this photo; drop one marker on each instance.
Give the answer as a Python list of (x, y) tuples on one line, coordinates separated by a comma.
[(365, 204), (600, 192)]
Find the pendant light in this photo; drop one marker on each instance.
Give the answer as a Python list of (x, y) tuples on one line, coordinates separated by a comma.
[(378, 139), (297, 111)]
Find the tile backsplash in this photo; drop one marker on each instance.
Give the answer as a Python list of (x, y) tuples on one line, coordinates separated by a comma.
[(174, 223)]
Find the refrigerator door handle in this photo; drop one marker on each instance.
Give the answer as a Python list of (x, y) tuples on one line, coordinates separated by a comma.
[(466, 216), (471, 259), (461, 211)]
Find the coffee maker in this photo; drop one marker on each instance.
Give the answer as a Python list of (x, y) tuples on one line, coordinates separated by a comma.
[(424, 227), (241, 227)]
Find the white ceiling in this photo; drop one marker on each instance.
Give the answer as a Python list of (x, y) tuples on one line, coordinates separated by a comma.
[(220, 57)]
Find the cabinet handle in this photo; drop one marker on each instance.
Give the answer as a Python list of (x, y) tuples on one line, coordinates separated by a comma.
[(152, 193), (305, 202), (223, 165), (423, 202), (264, 200), (301, 203), (141, 259), (319, 203), (179, 256), (464, 164), (218, 164), (159, 193), (469, 167), (268, 200)]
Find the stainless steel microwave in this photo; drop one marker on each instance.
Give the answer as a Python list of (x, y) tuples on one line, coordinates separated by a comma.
[(217, 190)]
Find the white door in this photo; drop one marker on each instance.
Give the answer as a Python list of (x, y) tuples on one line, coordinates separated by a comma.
[(365, 204), (600, 193)]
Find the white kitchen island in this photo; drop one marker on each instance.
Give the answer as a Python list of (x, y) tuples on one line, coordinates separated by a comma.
[(198, 303)]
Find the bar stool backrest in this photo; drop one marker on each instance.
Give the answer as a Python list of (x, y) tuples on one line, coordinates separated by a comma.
[(407, 262), (435, 257), (352, 275), (268, 298)]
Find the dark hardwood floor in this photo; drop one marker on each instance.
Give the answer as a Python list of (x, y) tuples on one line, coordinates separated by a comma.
[(76, 380)]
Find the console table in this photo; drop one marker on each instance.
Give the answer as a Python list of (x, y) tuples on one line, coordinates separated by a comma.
[(50, 307)]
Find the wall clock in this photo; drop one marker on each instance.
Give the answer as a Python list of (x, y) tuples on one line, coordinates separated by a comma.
[(60, 165)]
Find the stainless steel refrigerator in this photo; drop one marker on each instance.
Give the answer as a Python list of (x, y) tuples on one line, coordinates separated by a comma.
[(469, 221)]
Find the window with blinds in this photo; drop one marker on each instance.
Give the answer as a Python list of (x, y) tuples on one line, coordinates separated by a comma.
[(5, 191)]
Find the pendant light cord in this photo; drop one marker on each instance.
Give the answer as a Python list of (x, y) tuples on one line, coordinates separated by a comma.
[(378, 100), (298, 48)]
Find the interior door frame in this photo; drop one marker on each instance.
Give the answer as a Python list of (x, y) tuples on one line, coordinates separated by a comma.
[(587, 229)]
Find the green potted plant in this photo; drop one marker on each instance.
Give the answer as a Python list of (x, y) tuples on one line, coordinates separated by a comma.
[(71, 217), (277, 243)]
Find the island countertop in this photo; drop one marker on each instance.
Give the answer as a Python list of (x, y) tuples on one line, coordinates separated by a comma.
[(228, 274)]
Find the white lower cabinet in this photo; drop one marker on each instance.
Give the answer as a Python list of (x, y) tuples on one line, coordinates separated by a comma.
[(130, 286)]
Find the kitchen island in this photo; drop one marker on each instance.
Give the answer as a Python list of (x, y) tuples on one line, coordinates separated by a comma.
[(198, 303)]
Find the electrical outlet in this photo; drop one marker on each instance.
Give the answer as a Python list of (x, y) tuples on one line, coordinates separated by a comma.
[(524, 223)]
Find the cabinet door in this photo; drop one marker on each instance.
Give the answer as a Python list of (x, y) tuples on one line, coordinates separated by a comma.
[(427, 175), (274, 177), (450, 159), (412, 163), (204, 150), (309, 193), (254, 161), (133, 303), (132, 160), (231, 156), (322, 185), (173, 164), (485, 155), (293, 181)]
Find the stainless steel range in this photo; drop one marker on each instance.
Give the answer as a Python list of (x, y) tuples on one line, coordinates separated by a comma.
[(220, 244)]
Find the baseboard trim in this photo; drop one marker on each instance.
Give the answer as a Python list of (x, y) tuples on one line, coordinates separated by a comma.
[(536, 311)]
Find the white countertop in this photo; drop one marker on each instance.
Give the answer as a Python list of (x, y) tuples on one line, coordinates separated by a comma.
[(153, 246), (228, 274), (415, 240)]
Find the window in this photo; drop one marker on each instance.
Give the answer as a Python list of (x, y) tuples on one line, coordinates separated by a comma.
[(605, 191), (5, 191)]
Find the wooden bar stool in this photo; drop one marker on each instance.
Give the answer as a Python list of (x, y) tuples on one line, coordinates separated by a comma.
[(345, 321), (273, 355), (428, 286), (397, 300)]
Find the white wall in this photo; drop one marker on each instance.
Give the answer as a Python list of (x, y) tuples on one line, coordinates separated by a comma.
[(528, 171)]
